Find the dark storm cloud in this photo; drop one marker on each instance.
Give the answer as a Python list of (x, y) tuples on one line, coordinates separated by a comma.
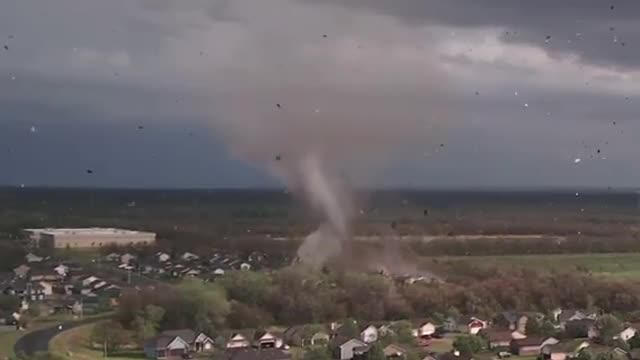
[(87, 73), (583, 27)]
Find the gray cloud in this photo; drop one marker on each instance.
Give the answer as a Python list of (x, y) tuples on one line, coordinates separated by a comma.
[(531, 22), (89, 68)]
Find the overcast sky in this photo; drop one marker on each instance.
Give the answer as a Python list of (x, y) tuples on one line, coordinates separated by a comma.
[(134, 93)]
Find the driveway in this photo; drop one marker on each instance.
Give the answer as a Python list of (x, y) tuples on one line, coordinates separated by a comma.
[(38, 341)]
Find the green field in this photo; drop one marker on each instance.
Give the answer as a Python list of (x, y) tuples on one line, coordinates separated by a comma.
[(620, 265), (74, 343)]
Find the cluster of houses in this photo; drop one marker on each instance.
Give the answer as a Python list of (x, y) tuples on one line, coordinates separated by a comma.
[(163, 265), (504, 340), (275, 345), (584, 334), (55, 286)]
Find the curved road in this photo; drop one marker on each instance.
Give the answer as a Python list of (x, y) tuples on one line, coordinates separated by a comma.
[(38, 341)]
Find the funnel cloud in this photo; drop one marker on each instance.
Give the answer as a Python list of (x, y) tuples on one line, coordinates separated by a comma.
[(319, 113)]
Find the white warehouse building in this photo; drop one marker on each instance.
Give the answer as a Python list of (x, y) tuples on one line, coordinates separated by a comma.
[(88, 237)]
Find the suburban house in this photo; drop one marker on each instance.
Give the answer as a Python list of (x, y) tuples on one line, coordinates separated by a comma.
[(265, 340), (47, 288), (564, 350), (33, 258), (198, 342), (394, 352), (258, 354), (305, 335), (369, 334), (497, 338), (238, 341), (61, 270), (165, 347), (347, 349), (43, 275), (163, 257), (626, 334), (22, 271), (571, 315), (474, 325), (31, 291), (189, 256), (531, 346), (127, 258), (424, 329)]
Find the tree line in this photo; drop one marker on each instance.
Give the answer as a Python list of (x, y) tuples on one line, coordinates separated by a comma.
[(243, 299)]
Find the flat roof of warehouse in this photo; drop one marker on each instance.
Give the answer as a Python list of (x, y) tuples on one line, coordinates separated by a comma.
[(86, 231)]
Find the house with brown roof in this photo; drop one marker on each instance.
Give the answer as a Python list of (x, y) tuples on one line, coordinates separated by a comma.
[(531, 346), (497, 338)]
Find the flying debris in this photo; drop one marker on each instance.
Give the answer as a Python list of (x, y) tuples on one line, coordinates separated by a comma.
[(612, 7), (278, 106), (394, 225), (6, 47), (548, 38), (89, 171), (425, 212), (33, 129), (577, 161), (278, 157), (140, 127), (324, 36)]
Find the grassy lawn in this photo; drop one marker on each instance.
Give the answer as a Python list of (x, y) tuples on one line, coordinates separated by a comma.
[(8, 339), (624, 265), (74, 344)]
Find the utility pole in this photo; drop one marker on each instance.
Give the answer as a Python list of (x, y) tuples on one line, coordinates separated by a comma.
[(129, 276)]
